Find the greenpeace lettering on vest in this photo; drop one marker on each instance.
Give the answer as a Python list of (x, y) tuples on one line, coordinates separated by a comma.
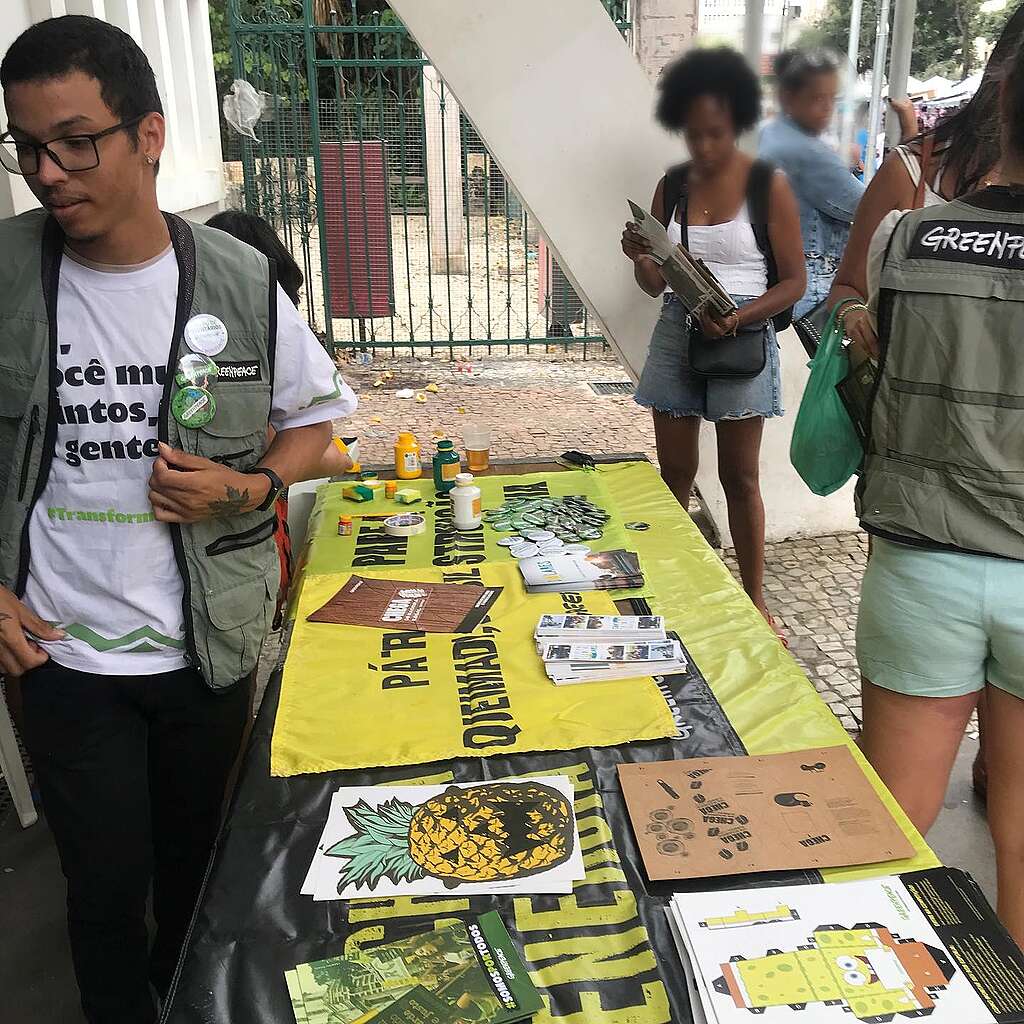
[(239, 371), (984, 246)]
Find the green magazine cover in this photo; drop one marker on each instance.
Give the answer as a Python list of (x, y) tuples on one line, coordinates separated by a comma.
[(458, 973)]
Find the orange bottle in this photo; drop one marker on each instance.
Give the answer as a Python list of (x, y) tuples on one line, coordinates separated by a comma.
[(407, 457)]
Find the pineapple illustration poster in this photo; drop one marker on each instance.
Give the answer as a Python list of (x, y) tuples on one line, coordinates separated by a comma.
[(514, 836), (360, 697)]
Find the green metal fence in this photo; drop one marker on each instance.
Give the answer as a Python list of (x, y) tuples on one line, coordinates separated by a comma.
[(407, 232)]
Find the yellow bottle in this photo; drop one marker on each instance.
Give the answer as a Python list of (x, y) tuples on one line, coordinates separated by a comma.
[(407, 457)]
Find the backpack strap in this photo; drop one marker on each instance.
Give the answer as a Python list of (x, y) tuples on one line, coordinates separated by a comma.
[(759, 192), (674, 195)]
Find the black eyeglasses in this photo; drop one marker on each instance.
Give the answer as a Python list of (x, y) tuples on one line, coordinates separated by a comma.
[(71, 153)]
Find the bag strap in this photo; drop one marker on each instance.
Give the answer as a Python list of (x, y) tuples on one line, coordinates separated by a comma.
[(674, 195), (927, 148), (759, 188)]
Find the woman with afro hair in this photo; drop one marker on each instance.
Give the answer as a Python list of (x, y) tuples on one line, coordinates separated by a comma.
[(710, 97)]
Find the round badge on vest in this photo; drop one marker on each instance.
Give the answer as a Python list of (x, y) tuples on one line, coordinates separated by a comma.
[(206, 334), (193, 407), (196, 370)]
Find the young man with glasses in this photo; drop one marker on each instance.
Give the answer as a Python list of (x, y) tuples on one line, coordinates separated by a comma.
[(141, 362)]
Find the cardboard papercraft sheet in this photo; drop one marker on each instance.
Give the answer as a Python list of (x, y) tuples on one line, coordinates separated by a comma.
[(774, 812)]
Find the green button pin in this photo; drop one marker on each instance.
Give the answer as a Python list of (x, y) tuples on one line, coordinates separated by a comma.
[(193, 407)]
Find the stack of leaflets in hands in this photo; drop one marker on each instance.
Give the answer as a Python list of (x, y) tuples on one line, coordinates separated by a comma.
[(568, 573), (686, 275), (457, 972), (592, 648), (922, 944)]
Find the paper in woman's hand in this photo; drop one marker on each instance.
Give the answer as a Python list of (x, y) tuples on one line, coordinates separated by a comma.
[(688, 277)]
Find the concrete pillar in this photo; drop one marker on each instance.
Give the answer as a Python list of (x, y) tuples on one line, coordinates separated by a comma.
[(442, 119), (662, 29)]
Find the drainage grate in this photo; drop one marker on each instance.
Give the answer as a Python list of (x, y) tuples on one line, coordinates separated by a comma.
[(611, 387)]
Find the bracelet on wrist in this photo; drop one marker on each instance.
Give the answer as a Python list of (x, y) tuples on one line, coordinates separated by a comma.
[(847, 308)]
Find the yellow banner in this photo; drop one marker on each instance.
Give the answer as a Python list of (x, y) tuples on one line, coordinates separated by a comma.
[(355, 697), (765, 694)]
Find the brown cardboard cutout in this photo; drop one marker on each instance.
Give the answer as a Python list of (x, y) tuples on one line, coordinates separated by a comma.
[(734, 815)]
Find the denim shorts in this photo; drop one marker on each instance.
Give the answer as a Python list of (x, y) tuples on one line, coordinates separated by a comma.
[(668, 386), (941, 623)]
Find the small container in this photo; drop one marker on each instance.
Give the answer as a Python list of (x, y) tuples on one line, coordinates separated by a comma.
[(390, 489), (466, 514), (344, 526), (477, 440), (407, 457), (447, 466)]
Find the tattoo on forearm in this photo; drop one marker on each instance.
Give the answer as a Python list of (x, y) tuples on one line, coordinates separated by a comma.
[(231, 505)]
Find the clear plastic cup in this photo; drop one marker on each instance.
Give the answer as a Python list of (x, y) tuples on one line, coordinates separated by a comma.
[(477, 440)]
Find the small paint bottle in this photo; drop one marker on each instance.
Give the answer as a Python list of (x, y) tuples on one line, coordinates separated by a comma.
[(344, 526), (407, 457), (466, 513), (447, 465), (390, 489)]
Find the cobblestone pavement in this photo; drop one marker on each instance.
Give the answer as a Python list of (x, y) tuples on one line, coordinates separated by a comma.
[(813, 589), (532, 405), (543, 404)]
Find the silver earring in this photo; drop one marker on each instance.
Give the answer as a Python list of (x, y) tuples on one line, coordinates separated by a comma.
[(150, 160)]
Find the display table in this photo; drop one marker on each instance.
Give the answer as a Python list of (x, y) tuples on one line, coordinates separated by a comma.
[(595, 954)]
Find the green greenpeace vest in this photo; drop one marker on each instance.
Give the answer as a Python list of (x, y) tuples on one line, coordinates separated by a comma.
[(945, 455), (229, 566)]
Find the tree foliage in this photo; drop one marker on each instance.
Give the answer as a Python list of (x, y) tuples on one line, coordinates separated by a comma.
[(944, 33)]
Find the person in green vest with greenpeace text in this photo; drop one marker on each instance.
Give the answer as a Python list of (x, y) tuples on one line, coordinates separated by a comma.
[(142, 359), (941, 618)]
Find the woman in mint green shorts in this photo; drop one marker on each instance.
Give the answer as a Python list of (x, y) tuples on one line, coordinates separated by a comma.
[(942, 607)]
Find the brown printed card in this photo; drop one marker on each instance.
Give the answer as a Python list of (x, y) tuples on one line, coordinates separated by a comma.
[(403, 604), (732, 815)]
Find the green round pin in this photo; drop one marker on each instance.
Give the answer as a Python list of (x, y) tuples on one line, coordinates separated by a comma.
[(193, 407), (195, 370)]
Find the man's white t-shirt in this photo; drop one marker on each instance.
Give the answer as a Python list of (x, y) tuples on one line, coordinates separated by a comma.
[(101, 567)]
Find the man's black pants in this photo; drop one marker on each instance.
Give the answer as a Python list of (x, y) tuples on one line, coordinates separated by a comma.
[(132, 772)]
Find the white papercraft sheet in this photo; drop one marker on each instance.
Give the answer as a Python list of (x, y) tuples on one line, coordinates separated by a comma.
[(322, 879), (841, 903), (696, 1003)]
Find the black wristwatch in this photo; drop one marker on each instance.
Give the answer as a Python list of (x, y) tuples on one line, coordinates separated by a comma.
[(276, 487)]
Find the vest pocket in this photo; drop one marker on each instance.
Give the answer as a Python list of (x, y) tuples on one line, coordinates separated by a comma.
[(237, 434), (975, 434), (241, 616), (14, 403)]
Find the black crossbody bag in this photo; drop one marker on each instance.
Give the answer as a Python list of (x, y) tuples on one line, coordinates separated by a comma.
[(741, 356)]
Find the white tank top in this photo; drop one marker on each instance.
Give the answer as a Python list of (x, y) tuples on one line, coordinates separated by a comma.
[(912, 163), (730, 252)]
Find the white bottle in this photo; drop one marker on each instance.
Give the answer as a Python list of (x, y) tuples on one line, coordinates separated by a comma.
[(466, 513)]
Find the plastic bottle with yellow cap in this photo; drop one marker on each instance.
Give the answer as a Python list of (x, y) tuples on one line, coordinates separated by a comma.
[(407, 457)]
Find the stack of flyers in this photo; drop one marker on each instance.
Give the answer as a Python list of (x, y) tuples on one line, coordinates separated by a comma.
[(568, 573), (567, 662), (456, 973), (597, 628), (922, 944)]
